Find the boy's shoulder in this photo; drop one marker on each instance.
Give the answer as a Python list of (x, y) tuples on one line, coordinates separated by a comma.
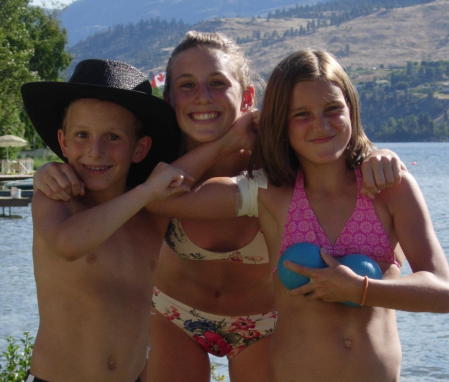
[(49, 214), (43, 204)]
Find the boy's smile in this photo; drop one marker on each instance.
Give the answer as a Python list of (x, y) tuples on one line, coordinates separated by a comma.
[(96, 169), (99, 141)]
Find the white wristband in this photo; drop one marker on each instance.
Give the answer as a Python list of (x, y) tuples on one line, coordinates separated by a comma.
[(249, 190)]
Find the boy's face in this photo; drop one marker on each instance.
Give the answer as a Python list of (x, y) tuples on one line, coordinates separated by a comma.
[(99, 140)]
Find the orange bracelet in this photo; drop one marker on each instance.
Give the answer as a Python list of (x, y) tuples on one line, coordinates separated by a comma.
[(364, 291)]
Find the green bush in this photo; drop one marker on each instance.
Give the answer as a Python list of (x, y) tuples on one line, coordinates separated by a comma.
[(39, 161), (15, 361)]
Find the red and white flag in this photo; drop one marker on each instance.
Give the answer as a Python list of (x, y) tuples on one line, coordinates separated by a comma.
[(158, 80)]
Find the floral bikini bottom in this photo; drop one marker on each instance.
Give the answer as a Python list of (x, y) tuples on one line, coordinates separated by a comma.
[(218, 335)]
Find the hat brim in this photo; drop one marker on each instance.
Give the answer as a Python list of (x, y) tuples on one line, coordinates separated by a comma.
[(45, 103)]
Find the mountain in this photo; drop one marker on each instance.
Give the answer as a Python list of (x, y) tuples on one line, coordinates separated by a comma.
[(396, 51), (86, 17), (387, 37), (382, 38)]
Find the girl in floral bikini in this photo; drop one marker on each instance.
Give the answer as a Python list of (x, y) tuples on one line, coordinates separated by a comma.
[(310, 144)]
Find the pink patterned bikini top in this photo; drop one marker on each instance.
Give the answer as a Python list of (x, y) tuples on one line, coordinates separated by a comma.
[(363, 232)]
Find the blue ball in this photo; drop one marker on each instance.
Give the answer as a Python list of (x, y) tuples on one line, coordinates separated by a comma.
[(363, 266), (305, 254)]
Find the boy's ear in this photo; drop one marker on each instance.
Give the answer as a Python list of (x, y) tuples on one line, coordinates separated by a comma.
[(143, 146), (62, 143), (247, 98)]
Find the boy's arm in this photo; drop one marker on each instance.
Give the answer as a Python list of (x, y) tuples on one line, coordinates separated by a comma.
[(216, 198), (73, 235)]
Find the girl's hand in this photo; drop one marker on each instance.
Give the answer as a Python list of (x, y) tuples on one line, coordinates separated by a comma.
[(381, 168), (58, 181), (242, 133), (335, 283)]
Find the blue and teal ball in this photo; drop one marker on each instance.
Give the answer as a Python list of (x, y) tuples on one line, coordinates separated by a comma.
[(305, 254), (363, 266)]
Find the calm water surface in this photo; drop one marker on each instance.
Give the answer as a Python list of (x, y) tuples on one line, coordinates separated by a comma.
[(424, 336)]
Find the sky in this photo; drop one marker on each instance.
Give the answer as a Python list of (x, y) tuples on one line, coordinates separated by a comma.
[(51, 3)]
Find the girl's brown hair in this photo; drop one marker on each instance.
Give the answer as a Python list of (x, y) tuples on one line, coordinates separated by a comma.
[(273, 150)]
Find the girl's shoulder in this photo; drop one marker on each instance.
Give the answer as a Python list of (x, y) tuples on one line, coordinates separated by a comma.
[(401, 193), (275, 201)]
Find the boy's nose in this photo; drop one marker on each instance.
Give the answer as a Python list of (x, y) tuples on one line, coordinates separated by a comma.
[(96, 148)]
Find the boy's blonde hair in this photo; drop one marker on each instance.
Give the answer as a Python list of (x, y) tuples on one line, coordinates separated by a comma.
[(273, 149)]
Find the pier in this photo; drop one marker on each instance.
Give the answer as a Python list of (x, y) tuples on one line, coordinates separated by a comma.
[(7, 202), (7, 178), (13, 197)]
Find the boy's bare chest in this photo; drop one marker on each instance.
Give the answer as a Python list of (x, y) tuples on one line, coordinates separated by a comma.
[(130, 253)]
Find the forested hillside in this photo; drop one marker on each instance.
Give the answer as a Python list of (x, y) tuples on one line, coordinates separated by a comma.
[(329, 13), (396, 52), (85, 17), (411, 104), (360, 33), (338, 11), (145, 44)]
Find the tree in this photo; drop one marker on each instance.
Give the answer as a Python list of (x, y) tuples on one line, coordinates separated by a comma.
[(15, 53), (49, 39), (31, 49)]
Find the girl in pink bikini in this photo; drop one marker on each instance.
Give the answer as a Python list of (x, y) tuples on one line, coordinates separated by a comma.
[(310, 145)]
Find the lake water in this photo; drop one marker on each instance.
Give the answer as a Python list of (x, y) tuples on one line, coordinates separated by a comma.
[(424, 336)]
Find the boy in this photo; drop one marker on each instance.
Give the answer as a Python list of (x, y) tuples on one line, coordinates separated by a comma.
[(93, 255)]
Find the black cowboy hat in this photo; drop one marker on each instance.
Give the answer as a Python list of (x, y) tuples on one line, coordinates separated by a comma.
[(113, 81)]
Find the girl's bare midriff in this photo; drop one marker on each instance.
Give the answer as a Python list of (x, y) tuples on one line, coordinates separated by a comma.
[(333, 342), (217, 286)]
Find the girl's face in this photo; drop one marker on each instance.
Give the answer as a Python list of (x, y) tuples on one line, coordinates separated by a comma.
[(205, 94), (319, 121)]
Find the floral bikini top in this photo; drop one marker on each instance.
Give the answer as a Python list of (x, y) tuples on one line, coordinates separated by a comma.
[(363, 232), (255, 252)]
